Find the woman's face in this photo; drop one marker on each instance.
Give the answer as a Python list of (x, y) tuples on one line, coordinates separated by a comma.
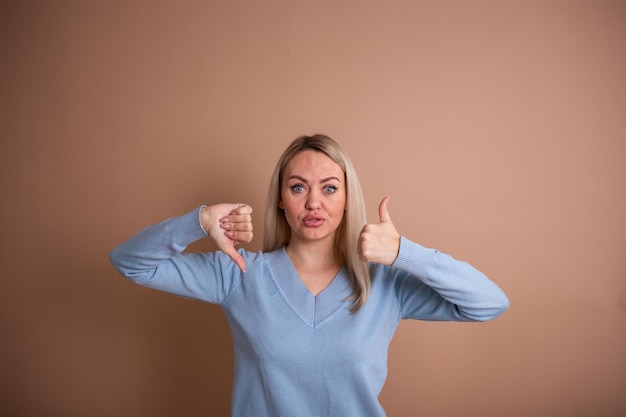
[(313, 195)]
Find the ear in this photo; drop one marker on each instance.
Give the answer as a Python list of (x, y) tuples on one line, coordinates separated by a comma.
[(280, 204)]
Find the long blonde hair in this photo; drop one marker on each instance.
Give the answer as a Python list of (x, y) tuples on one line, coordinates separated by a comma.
[(278, 232)]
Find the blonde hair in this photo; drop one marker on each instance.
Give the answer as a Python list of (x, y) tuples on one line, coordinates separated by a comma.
[(278, 232)]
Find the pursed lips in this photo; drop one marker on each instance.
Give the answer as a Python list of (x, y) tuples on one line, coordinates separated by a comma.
[(313, 221)]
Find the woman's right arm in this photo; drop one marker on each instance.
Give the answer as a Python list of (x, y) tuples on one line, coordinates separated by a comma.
[(154, 257)]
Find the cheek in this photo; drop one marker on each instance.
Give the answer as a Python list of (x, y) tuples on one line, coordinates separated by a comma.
[(340, 203), (337, 209), (289, 206)]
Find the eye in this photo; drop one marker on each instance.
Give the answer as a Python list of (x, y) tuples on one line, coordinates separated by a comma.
[(297, 188), (329, 189)]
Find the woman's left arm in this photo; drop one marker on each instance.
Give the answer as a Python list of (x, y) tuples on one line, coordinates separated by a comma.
[(430, 285)]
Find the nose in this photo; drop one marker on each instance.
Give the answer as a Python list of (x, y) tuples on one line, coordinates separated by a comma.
[(312, 202)]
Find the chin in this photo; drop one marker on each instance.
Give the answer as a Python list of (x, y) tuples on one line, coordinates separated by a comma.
[(316, 235)]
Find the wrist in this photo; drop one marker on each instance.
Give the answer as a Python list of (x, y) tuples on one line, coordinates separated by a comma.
[(204, 217)]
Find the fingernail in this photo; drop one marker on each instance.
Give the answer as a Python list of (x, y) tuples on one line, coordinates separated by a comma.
[(229, 234)]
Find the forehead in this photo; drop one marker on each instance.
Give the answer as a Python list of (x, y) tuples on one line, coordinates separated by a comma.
[(313, 164)]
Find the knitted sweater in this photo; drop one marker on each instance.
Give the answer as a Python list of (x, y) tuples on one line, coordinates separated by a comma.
[(299, 355)]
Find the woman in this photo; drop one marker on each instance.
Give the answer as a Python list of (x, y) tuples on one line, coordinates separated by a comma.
[(313, 314)]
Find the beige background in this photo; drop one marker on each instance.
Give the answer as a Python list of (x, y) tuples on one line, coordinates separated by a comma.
[(498, 128)]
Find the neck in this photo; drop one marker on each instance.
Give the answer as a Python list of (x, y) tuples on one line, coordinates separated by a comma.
[(315, 263), (312, 254)]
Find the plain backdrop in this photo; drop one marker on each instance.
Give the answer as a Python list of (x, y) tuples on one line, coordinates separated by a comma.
[(497, 127)]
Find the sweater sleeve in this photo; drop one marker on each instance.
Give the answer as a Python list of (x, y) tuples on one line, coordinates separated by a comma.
[(431, 285), (154, 258)]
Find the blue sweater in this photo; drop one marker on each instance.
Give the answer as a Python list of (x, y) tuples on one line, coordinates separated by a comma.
[(299, 355)]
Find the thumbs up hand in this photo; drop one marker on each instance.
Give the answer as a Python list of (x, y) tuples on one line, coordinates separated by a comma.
[(380, 242)]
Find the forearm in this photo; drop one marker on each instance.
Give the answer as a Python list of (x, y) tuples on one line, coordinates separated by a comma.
[(472, 294), (138, 257)]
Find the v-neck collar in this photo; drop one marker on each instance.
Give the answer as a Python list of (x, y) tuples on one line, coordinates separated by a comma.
[(311, 309)]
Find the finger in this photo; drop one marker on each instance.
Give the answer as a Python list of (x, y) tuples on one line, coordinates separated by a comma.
[(242, 209), (236, 257), (240, 227), (383, 211), (236, 218), (239, 237)]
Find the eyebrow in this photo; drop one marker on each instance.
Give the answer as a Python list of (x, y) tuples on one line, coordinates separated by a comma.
[(298, 177)]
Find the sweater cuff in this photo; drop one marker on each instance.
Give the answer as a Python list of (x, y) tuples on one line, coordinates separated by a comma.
[(187, 228), (414, 258)]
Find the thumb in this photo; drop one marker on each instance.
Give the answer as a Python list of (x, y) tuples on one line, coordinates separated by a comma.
[(383, 212), (236, 257)]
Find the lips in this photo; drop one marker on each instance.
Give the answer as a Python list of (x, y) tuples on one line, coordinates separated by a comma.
[(313, 221)]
